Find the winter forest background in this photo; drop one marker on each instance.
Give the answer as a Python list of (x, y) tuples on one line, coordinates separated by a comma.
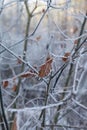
[(43, 64)]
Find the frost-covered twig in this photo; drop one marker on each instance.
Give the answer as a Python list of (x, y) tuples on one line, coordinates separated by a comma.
[(43, 112), (11, 52), (81, 31), (2, 110), (59, 72), (71, 69), (60, 69), (12, 102), (36, 108), (85, 40), (79, 114), (79, 104), (30, 35), (75, 76), (63, 5), (66, 126)]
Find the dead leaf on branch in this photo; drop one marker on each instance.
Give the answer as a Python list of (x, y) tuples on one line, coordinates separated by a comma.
[(46, 67), (65, 57), (14, 88), (5, 83)]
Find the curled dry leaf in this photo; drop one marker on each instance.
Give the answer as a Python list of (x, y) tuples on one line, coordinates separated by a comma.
[(5, 83), (65, 57), (14, 88), (46, 67)]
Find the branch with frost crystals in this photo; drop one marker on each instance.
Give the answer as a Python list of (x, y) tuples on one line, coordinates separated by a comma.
[(79, 104), (77, 37), (7, 92), (59, 72), (42, 17), (85, 40), (61, 6), (81, 116), (60, 69), (60, 30), (36, 108), (12, 102), (66, 126), (62, 102), (2, 109), (76, 71), (39, 22), (26, 63), (81, 31)]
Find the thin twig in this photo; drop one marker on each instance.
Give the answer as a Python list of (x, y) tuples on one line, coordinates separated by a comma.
[(31, 33), (81, 31), (11, 52), (43, 112), (60, 73), (70, 71), (66, 126), (3, 111)]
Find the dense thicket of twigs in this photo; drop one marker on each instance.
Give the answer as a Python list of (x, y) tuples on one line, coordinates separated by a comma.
[(43, 65)]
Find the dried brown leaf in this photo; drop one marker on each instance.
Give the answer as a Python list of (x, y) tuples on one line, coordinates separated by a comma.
[(46, 67), (5, 83), (65, 57)]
